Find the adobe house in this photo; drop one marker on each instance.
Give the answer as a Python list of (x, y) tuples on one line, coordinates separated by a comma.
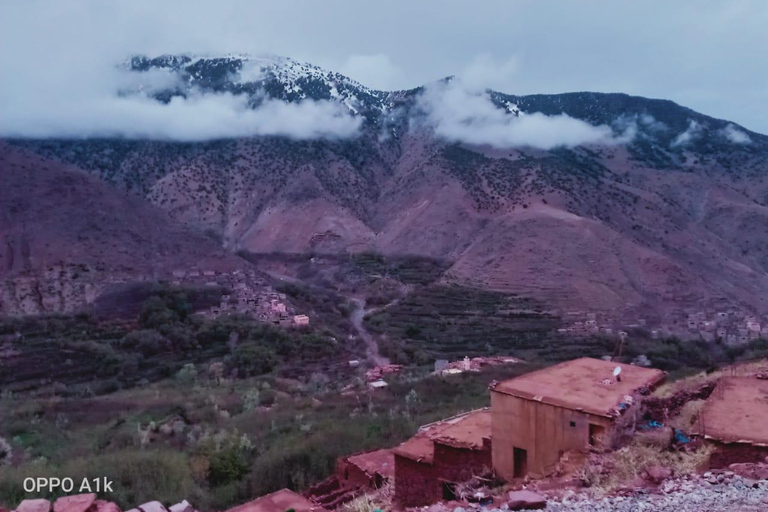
[(440, 455), (569, 406), (279, 501), (353, 476), (734, 420), (369, 469)]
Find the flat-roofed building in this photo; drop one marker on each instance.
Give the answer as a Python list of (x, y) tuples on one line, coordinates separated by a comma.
[(430, 464), (735, 421), (541, 415)]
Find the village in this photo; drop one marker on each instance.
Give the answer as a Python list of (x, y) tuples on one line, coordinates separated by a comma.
[(538, 444), (249, 295), (732, 327)]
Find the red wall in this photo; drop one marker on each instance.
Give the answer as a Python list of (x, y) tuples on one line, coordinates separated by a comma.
[(419, 483), (727, 454)]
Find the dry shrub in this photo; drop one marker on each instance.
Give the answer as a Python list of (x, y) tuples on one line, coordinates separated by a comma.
[(687, 415), (380, 499), (620, 468), (658, 438)]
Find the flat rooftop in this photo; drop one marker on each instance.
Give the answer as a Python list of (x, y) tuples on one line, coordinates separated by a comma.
[(736, 412), (379, 461), (463, 431), (279, 501), (584, 384)]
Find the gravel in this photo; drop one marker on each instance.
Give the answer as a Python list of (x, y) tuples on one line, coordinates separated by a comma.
[(715, 493)]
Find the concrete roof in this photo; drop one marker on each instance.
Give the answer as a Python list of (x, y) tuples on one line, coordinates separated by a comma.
[(463, 431), (584, 384), (279, 501), (379, 461), (736, 411)]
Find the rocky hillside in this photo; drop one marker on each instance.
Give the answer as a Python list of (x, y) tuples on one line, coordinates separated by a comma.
[(671, 211), (68, 237)]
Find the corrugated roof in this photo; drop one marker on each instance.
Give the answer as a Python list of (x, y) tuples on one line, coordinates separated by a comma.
[(736, 412), (583, 384)]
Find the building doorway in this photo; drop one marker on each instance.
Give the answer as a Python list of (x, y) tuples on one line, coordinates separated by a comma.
[(449, 491), (595, 434), (520, 459)]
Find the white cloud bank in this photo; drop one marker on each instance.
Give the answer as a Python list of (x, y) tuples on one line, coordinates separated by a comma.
[(735, 135), (118, 104), (693, 131), (460, 113)]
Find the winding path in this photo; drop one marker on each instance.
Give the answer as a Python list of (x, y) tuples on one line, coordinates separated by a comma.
[(371, 346)]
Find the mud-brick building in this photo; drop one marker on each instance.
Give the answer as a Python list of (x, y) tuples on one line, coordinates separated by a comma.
[(429, 465), (539, 416), (734, 420), (279, 501), (354, 475)]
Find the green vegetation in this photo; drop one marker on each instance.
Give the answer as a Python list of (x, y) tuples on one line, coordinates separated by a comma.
[(81, 356), (214, 441), (440, 321)]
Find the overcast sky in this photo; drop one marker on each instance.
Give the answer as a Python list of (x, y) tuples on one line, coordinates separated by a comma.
[(708, 55)]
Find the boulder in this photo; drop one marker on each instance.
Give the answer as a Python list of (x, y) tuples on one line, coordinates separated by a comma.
[(657, 474), (184, 506), (104, 506), (39, 505), (526, 500), (76, 503), (153, 506)]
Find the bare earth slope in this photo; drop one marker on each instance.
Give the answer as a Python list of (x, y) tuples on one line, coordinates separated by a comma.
[(66, 236)]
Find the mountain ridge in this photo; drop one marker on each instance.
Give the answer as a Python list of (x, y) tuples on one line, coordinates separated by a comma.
[(649, 223)]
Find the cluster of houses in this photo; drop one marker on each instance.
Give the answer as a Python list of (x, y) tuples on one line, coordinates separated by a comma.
[(249, 295), (536, 419), (732, 327), (533, 423)]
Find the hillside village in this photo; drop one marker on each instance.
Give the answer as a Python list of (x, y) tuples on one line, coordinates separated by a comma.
[(733, 327), (248, 294), (582, 435)]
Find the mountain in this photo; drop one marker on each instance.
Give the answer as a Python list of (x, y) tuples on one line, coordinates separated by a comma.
[(670, 213), (67, 238)]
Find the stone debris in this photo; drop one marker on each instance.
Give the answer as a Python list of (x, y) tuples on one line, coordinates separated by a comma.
[(76, 503), (184, 506), (152, 506), (104, 506), (38, 505), (526, 500), (713, 491)]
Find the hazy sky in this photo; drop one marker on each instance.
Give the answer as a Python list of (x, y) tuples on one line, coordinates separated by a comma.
[(708, 55)]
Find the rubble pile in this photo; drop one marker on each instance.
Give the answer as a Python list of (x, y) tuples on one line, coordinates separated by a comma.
[(742, 487), (89, 503)]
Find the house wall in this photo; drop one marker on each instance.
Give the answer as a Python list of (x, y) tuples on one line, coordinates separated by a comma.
[(415, 483), (726, 454), (543, 430), (420, 483), (351, 475)]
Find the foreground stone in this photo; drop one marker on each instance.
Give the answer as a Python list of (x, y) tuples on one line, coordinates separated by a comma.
[(38, 505), (104, 506), (526, 500), (76, 503)]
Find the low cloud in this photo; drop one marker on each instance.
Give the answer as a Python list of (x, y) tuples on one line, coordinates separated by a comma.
[(460, 113), (691, 133), (735, 135), (103, 100)]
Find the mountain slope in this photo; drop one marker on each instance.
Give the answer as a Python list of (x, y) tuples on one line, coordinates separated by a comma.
[(66, 237), (672, 216)]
